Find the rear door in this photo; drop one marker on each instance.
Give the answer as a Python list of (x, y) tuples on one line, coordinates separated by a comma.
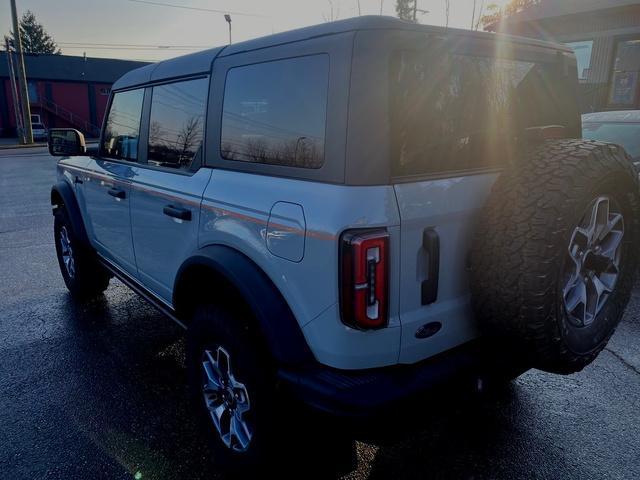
[(167, 189), (107, 184), (456, 120)]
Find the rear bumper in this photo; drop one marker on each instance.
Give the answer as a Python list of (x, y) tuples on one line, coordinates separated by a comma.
[(362, 392)]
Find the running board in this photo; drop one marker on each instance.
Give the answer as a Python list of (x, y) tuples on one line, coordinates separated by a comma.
[(134, 285)]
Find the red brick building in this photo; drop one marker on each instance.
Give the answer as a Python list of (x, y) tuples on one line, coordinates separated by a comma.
[(65, 91)]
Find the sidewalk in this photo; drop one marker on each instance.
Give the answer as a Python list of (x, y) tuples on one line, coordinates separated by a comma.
[(10, 143)]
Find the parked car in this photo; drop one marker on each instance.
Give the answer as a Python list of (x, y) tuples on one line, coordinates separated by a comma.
[(39, 131), (350, 214), (621, 128)]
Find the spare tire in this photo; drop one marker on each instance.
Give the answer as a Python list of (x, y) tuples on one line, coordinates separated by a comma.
[(555, 256)]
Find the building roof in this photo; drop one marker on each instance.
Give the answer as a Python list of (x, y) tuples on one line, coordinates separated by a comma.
[(559, 8), (201, 62), (70, 68), (622, 116)]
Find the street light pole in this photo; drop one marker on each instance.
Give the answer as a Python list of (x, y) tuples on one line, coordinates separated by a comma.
[(227, 17), (22, 77)]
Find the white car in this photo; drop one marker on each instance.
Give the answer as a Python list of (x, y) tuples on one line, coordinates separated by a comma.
[(620, 127), (40, 132)]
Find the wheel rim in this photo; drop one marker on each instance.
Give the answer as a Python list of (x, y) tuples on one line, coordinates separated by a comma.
[(226, 400), (66, 250), (594, 251)]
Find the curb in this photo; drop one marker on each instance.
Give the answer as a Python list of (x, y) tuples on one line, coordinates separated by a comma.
[(19, 145)]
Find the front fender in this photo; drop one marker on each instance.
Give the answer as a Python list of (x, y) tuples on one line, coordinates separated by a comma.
[(62, 190), (276, 320)]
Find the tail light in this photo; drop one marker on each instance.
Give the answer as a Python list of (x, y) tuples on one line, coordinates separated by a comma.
[(364, 278)]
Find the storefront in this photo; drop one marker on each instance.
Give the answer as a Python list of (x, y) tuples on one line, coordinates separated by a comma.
[(605, 35)]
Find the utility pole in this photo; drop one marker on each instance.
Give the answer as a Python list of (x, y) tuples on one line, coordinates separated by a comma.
[(22, 77), (227, 17), (14, 92)]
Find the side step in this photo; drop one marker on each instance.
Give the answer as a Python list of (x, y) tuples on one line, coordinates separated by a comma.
[(134, 285)]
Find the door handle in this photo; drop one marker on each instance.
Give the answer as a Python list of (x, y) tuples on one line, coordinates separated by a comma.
[(177, 212), (431, 245), (116, 192), (77, 180)]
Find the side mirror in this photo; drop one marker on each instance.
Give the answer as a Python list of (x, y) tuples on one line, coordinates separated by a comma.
[(66, 142)]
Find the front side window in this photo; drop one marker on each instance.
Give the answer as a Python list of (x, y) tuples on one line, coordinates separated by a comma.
[(176, 125), (275, 112), (122, 129)]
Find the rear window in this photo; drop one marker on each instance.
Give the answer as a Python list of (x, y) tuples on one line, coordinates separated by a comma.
[(454, 113), (275, 112)]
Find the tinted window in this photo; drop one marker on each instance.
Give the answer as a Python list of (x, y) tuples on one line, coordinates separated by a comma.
[(176, 125), (122, 129), (275, 112), (454, 112)]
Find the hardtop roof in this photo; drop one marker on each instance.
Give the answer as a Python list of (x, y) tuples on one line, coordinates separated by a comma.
[(201, 62)]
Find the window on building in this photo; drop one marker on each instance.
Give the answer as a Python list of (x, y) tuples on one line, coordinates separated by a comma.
[(122, 129), (583, 56), (275, 112), (176, 125), (625, 79), (32, 89), (454, 113)]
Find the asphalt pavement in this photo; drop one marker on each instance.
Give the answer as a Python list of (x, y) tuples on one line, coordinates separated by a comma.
[(97, 391)]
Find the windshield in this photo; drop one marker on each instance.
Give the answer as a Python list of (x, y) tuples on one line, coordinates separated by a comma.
[(624, 134)]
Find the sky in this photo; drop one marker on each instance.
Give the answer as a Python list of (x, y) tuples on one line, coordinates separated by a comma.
[(143, 30)]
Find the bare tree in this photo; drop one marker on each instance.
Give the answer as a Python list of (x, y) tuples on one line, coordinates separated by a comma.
[(188, 139), (447, 5), (334, 12)]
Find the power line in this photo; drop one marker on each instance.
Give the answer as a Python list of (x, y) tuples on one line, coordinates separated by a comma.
[(199, 9), (133, 45), (160, 47)]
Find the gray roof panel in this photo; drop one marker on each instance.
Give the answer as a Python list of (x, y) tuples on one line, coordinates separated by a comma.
[(201, 62)]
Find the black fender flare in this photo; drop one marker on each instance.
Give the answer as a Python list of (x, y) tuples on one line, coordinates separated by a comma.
[(64, 190), (277, 323)]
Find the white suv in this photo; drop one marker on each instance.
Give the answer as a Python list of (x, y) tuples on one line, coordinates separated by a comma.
[(351, 213)]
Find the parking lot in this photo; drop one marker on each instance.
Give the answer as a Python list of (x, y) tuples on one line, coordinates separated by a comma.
[(97, 391)]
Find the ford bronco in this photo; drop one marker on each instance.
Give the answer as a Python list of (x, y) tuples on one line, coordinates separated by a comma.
[(352, 213)]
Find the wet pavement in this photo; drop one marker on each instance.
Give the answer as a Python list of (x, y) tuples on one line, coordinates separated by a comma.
[(97, 391)]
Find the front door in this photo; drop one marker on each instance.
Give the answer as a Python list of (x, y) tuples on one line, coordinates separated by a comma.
[(107, 186)]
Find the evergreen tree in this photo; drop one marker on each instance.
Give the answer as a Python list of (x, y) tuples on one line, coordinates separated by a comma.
[(35, 38)]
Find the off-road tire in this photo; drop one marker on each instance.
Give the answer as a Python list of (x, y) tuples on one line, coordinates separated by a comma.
[(287, 435), (89, 279), (521, 246), (215, 326)]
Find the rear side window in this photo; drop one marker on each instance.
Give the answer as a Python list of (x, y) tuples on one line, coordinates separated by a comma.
[(452, 113), (275, 112), (176, 125), (122, 129)]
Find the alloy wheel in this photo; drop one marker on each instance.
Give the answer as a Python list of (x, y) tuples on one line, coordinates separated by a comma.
[(226, 400), (594, 266), (66, 250)]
